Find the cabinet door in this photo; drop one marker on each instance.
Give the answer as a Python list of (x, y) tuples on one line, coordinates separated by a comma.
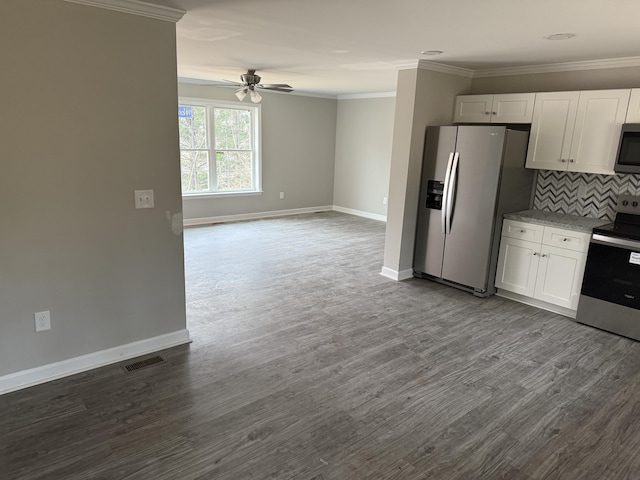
[(600, 116), (633, 113), (559, 278), (517, 266), (513, 108), (554, 116), (473, 109)]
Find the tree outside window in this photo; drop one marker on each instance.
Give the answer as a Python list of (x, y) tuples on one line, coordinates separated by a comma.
[(218, 148)]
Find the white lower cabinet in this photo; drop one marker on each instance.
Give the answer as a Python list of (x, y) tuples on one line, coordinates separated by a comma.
[(559, 277), (518, 266), (548, 266)]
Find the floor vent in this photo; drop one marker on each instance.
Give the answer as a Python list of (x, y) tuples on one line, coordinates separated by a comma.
[(147, 362)]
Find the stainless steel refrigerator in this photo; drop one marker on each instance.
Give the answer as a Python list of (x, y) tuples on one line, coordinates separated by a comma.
[(471, 176)]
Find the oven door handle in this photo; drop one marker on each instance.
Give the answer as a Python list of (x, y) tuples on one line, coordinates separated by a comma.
[(617, 242)]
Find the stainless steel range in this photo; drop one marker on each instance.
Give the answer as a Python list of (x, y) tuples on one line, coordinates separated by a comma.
[(610, 295)]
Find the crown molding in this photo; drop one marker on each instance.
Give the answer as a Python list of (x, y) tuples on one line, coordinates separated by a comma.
[(406, 64), (442, 68), (136, 7), (358, 96), (434, 67), (559, 67), (524, 70)]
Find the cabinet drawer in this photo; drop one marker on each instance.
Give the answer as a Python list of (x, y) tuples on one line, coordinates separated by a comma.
[(569, 239), (522, 230)]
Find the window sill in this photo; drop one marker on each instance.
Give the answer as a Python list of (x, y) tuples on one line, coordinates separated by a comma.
[(200, 196)]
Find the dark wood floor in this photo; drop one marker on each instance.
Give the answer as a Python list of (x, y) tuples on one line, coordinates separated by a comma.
[(307, 364)]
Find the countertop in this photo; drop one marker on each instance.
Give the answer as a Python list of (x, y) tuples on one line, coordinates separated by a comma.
[(560, 220)]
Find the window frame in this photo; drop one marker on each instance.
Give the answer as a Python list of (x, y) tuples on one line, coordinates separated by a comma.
[(256, 124)]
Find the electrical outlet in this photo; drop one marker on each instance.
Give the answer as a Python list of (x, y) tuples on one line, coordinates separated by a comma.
[(384, 200), (281, 195), (144, 198), (43, 321)]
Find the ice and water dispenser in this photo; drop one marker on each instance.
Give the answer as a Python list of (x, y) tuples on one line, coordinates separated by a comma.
[(434, 194)]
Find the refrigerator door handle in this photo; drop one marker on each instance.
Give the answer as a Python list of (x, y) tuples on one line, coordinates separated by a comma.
[(445, 193), (451, 191)]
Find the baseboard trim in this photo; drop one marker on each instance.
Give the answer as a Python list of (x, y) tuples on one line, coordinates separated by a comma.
[(193, 222), (360, 213), (396, 275), (46, 373), (567, 312)]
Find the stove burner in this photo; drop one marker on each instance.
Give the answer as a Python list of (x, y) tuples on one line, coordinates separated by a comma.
[(619, 230)]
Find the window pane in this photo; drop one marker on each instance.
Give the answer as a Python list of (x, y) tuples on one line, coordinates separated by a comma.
[(234, 171), (195, 170), (233, 129), (193, 126)]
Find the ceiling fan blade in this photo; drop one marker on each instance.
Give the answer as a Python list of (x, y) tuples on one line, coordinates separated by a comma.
[(276, 87), (217, 83), (224, 82)]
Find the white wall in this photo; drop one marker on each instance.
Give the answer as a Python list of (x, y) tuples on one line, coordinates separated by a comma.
[(88, 115), (298, 152), (363, 154)]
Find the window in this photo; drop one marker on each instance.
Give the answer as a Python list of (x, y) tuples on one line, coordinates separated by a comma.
[(219, 148)]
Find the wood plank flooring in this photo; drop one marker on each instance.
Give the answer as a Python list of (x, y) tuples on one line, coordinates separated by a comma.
[(307, 364)]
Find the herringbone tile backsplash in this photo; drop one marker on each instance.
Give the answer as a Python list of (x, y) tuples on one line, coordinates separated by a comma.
[(558, 192)]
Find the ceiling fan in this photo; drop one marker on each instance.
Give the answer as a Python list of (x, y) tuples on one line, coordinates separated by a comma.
[(251, 81)]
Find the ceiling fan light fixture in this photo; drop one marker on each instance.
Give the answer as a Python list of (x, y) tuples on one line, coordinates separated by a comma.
[(255, 96), (431, 52), (250, 82), (240, 94)]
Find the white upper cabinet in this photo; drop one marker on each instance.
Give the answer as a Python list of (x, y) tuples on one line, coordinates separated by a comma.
[(513, 108), (473, 108), (600, 115), (633, 113), (577, 131), (554, 117), (503, 108)]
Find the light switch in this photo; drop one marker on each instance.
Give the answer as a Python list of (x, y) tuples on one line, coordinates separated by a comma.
[(144, 198)]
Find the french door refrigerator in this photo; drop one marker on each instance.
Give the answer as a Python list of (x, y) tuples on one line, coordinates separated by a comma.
[(471, 176)]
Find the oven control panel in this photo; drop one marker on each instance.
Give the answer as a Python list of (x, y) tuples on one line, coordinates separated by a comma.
[(628, 204)]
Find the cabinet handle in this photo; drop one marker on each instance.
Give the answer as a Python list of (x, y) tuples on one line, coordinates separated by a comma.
[(571, 160), (487, 113), (563, 160), (494, 113), (535, 253), (565, 239), (522, 231), (543, 255)]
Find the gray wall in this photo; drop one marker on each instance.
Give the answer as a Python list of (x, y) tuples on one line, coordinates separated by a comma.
[(298, 152), (88, 115), (423, 98), (364, 135), (628, 77)]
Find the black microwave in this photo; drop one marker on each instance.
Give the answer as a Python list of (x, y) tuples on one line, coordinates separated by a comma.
[(628, 159)]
